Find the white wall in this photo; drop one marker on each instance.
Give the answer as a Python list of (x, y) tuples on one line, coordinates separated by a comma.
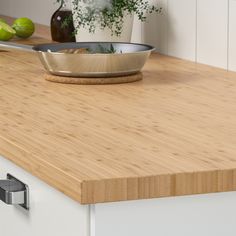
[(232, 35), (212, 32), (199, 30), (38, 10)]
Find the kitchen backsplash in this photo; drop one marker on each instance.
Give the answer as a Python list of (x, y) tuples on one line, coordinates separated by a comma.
[(198, 30)]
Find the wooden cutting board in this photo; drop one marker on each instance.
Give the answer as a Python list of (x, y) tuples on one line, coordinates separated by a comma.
[(174, 133)]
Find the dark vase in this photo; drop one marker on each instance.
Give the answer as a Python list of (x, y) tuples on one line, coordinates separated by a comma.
[(62, 27)]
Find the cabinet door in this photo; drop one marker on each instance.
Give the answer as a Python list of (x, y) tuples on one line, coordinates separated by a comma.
[(200, 215), (51, 212)]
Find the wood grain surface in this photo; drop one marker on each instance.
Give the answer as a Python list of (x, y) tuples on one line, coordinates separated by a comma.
[(173, 133)]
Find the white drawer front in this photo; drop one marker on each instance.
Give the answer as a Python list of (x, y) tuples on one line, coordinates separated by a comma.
[(51, 212), (198, 215)]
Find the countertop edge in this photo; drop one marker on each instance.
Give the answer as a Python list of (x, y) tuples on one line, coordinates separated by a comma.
[(158, 186)]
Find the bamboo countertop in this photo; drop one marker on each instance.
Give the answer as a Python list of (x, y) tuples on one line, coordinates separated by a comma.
[(174, 133)]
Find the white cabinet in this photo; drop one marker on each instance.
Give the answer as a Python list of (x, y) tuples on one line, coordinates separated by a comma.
[(51, 212), (212, 32), (200, 215)]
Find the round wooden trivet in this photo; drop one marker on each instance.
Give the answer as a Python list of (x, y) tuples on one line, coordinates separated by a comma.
[(109, 80)]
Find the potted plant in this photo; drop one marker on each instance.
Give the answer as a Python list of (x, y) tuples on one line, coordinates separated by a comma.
[(108, 20)]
